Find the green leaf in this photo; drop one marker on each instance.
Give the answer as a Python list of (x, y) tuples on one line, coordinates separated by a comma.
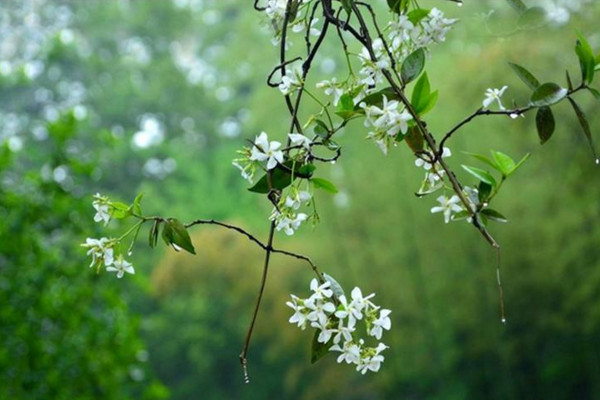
[(569, 81), (324, 184), (413, 65), (421, 94), (494, 215), (281, 177), (153, 233), (548, 94), (376, 99), (594, 92), (347, 4), (136, 206), (484, 191), (120, 210), (321, 129), (481, 174), (318, 350), (533, 17), (525, 158), (526, 76), (414, 139), (416, 15), (587, 61), (485, 160), (397, 6), (545, 123), (585, 125), (505, 163), (518, 5), (176, 235), (336, 288), (345, 107), (431, 102)]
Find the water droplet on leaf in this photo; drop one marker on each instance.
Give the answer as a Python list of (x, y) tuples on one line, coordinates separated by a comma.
[(504, 320)]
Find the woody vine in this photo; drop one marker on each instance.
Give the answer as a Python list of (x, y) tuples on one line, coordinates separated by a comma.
[(387, 88)]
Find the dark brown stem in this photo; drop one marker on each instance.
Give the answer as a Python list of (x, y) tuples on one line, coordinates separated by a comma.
[(263, 281)]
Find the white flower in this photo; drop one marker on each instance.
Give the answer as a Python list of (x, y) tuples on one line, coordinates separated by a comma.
[(331, 87), (325, 334), (297, 198), (289, 224), (318, 310), (298, 139), (383, 322), (492, 95), (265, 151), (247, 170), (320, 291), (372, 363), (120, 266), (350, 352), (300, 26), (102, 209), (100, 250), (299, 316), (345, 331), (447, 206), (360, 303)]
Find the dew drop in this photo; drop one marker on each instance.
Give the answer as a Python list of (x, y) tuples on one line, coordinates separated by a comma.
[(459, 3), (332, 162), (129, 253), (597, 161), (503, 320), (514, 115)]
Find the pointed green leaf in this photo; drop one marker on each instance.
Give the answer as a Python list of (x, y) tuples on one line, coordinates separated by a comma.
[(569, 81), (136, 206), (421, 94), (525, 158), (545, 123), (120, 210), (324, 184), (345, 107), (481, 174), (505, 163), (376, 99), (347, 4), (321, 129), (526, 76), (178, 236), (398, 6), (484, 190), (318, 350), (548, 94), (494, 215), (431, 102), (594, 92), (416, 15), (585, 55), (153, 233), (413, 65), (485, 160), (585, 125), (281, 177), (414, 139), (427, 187)]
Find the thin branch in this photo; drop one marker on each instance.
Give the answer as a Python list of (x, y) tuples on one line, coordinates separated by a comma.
[(263, 281), (228, 226)]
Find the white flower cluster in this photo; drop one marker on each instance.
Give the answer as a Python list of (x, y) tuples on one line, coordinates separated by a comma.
[(286, 215), (275, 10), (387, 121), (102, 250), (406, 36), (337, 325)]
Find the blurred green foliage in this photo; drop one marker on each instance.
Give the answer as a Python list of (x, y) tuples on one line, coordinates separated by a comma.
[(66, 332)]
